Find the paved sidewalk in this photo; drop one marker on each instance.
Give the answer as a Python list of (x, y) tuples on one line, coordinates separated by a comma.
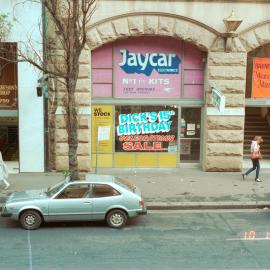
[(180, 188)]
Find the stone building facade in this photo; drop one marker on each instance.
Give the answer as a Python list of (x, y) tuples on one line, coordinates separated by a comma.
[(199, 23)]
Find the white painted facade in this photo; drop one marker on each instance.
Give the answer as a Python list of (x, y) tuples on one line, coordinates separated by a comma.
[(26, 21)]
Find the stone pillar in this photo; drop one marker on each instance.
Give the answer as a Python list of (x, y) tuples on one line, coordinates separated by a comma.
[(83, 102), (224, 132)]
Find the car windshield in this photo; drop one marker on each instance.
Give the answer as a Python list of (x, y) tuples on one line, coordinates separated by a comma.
[(54, 189), (125, 184)]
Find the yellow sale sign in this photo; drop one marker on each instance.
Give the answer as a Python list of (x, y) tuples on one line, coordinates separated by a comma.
[(261, 78), (102, 123)]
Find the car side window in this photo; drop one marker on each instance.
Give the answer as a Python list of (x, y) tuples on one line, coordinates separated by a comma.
[(101, 190), (74, 192)]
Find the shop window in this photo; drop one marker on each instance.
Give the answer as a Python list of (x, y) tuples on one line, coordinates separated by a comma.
[(146, 128), (190, 134)]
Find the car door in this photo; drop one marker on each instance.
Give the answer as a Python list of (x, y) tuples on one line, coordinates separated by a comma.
[(103, 197), (72, 203)]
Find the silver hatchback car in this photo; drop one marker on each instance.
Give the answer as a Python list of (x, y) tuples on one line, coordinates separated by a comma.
[(99, 197)]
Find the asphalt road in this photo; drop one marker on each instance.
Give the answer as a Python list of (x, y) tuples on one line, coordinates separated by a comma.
[(160, 241)]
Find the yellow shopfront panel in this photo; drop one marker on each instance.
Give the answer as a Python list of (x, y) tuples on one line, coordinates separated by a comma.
[(125, 160), (104, 160), (147, 160), (167, 160)]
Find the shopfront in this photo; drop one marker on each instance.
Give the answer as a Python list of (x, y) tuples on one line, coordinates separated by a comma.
[(147, 97)]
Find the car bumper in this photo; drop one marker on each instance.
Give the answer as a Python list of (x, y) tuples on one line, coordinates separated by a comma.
[(142, 212), (5, 214)]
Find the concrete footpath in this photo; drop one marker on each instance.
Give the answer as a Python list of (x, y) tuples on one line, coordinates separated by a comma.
[(177, 188)]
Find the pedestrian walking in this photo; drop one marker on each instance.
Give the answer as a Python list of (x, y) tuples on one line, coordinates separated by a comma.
[(3, 172), (255, 155)]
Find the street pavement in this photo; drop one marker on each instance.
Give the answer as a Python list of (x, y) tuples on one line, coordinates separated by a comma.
[(171, 240), (176, 188)]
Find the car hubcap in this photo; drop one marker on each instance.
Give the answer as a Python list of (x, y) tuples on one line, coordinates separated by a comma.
[(117, 219), (30, 220)]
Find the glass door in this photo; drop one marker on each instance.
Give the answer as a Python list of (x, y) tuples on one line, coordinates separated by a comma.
[(190, 134)]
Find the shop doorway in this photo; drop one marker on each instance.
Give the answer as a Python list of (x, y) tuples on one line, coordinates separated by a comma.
[(257, 123), (257, 111), (190, 136)]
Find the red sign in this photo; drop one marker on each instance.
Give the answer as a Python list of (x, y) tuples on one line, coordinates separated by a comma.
[(261, 78)]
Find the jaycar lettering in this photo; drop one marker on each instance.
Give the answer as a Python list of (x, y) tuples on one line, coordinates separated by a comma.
[(144, 64)]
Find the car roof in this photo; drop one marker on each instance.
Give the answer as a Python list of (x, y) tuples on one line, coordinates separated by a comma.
[(100, 178)]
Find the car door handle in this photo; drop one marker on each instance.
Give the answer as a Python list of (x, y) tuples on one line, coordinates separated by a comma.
[(87, 202)]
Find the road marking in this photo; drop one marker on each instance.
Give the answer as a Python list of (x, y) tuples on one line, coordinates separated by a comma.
[(29, 250), (247, 239), (208, 211)]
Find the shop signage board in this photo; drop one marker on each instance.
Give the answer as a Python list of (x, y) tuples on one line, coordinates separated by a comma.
[(8, 96), (261, 78), (218, 99), (147, 69), (102, 122), (153, 131), (8, 77)]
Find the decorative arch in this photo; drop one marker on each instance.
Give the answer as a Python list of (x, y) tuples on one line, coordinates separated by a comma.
[(255, 36), (161, 24)]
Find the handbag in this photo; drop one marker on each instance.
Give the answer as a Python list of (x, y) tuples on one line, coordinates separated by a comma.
[(256, 155)]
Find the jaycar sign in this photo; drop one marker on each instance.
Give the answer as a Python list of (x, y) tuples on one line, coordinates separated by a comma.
[(147, 68), (145, 63)]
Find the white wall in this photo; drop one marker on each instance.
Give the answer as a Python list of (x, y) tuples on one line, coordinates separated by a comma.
[(31, 121)]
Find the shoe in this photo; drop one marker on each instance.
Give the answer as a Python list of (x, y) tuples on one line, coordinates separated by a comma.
[(243, 176), (258, 180), (7, 185)]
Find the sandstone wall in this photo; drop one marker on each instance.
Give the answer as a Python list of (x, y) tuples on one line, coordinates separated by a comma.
[(224, 132), (58, 133)]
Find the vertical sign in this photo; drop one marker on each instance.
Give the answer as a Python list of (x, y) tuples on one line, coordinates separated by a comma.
[(8, 76), (102, 122), (147, 68), (261, 78)]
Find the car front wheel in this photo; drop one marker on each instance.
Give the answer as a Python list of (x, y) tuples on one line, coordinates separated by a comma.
[(30, 220), (116, 219)]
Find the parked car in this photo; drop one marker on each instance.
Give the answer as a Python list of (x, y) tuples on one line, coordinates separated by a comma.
[(99, 197)]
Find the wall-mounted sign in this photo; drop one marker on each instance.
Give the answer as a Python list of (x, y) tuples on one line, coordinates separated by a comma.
[(102, 122), (147, 68), (147, 131), (218, 99), (8, 96), (261, 78), (8, 76)]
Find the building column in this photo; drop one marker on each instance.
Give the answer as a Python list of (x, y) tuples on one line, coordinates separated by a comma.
[(83, 102), (224, 131)]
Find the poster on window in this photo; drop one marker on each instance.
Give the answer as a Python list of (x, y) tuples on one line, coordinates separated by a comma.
[(146, 129), (261, 78), (102, 121), (147, 68)]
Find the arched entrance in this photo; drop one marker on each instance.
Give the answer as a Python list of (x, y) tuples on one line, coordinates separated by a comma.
[(257, 110), (166, 29)]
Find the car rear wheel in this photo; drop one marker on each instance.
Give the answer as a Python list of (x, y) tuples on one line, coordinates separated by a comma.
[(116, 219), (30, 220)]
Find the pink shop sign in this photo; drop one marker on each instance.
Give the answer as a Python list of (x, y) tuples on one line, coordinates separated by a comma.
[(147, 69)]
